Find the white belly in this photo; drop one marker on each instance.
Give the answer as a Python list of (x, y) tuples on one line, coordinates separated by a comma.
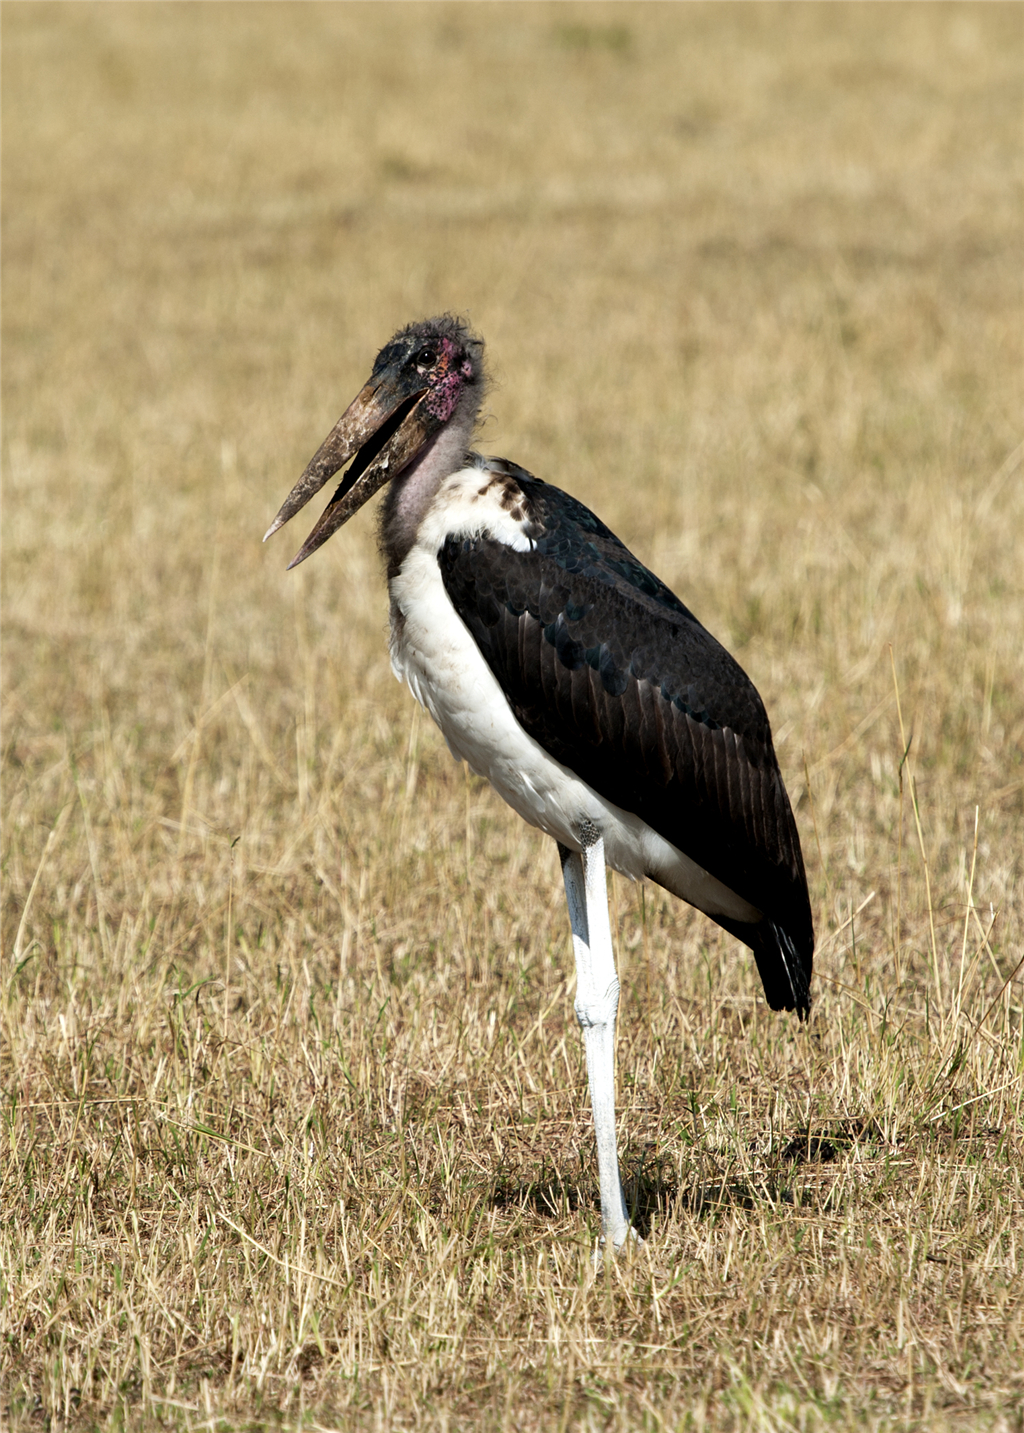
[(433, 651)]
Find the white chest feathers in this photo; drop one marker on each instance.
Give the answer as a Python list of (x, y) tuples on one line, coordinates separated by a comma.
[(431, 647)]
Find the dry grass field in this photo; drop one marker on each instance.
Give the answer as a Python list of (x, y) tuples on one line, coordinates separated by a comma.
[(295, 1126)]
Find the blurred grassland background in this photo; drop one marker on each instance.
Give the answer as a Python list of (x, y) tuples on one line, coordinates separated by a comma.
[(295, 1118)]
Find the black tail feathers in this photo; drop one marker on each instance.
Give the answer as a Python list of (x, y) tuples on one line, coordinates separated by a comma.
[(783, 965), (785, 971)]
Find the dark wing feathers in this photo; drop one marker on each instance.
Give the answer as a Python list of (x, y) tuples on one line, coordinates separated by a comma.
[(610, 673)]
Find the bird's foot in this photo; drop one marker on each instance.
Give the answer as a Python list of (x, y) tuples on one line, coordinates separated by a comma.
[(621, 1243)]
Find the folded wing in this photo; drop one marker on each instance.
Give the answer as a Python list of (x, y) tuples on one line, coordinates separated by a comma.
[(606, 669)]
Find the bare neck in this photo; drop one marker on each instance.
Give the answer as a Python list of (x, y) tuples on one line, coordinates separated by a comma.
[(410, 494)]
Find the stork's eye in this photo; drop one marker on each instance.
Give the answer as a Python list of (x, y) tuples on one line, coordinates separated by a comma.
[(426, 358)]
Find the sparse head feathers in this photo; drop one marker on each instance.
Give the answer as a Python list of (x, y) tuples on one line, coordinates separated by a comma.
[(427, 340)]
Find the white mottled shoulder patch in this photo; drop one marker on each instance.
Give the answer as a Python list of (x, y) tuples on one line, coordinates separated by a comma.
[(477, 502)]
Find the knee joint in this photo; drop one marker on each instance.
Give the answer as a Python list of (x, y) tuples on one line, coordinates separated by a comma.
[(597, 1008)]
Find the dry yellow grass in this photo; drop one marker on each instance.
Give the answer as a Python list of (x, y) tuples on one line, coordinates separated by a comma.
[(295, 1129)]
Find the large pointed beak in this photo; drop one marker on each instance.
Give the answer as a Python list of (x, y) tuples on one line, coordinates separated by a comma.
[(385, 432)]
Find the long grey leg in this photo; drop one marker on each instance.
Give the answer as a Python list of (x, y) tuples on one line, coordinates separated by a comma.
[(597, 1000)]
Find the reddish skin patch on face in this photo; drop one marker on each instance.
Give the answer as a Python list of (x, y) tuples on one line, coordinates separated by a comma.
[(446, 381)]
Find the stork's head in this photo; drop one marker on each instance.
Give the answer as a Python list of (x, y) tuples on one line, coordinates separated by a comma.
[(417, 383)]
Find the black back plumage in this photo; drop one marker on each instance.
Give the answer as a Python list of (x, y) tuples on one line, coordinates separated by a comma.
[(605, 667)]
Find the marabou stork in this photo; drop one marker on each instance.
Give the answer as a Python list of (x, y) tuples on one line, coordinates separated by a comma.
[(562, 670)]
